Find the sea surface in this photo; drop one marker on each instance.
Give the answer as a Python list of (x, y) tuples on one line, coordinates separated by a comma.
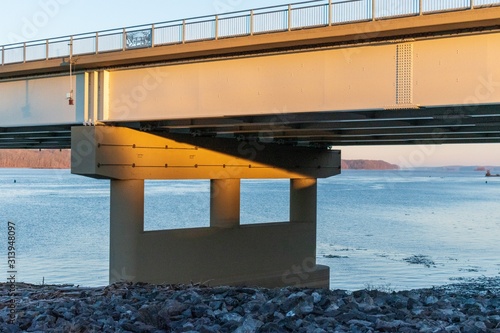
[(391, 230)]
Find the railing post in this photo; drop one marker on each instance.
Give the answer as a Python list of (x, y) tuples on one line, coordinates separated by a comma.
[(289, 17), (183, 31), (471, 4), (373, 10), (152, 35), (216, 27), (70, 47), (330, 14), (251, 22), (3, 55), (24, 52), (97, 43), (420, 7), (47, 49), (124, 39)]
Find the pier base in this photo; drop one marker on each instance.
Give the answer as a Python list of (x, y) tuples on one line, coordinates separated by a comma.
[(226, 253)]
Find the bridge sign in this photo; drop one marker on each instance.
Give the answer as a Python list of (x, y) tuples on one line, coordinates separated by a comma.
[(139, 39)]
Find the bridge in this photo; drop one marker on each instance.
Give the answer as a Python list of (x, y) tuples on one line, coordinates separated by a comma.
[(264, 93)]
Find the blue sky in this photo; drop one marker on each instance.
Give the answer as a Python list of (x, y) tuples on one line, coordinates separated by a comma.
[(40, 19)]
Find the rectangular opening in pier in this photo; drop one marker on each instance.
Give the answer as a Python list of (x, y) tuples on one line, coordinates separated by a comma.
[(179, 204), (184, 204), (265, 201)]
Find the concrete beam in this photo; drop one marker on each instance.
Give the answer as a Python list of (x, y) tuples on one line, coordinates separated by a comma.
[(126, 154)]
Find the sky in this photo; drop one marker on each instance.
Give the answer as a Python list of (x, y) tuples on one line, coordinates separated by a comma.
[(29, 20)]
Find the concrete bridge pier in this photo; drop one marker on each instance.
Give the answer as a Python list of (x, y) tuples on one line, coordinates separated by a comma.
[(303, 200), (226, 252), (225, 203), (126, 228)]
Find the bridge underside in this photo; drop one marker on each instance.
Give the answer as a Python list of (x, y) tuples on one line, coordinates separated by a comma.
[(439, 125)]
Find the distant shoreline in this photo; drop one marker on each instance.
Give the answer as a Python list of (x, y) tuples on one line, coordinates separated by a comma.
[(61, 159), (35, 159)]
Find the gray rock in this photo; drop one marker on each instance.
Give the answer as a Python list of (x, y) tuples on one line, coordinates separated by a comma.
[(231, 317), (306, 306), (201, 310), (387, 325), (316, 297), (473, 328), (171, 308), (128, 307), (431, 300), (138, 327), (452, 329), (249, 325), (362, 323), (271, 328), (10, 328), (210, 329)]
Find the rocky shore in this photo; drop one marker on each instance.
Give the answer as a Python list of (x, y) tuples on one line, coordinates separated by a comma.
[(468, 307)]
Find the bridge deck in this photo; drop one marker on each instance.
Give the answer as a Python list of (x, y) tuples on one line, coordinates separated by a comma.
[(299, 38)]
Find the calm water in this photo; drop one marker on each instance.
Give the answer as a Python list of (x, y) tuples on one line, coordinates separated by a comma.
[(369, 224)]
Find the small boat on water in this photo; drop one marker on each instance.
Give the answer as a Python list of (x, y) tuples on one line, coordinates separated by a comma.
[(488, 174)]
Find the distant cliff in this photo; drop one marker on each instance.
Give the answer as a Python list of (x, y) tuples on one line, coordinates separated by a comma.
[(55, 159), (368, 165)]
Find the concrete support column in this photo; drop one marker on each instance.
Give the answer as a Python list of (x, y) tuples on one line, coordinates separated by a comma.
[(225, 203), (303, 210), (127, 226), (303, 200)]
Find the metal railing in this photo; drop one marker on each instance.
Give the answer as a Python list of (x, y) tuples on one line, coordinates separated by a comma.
[(301, 15)]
